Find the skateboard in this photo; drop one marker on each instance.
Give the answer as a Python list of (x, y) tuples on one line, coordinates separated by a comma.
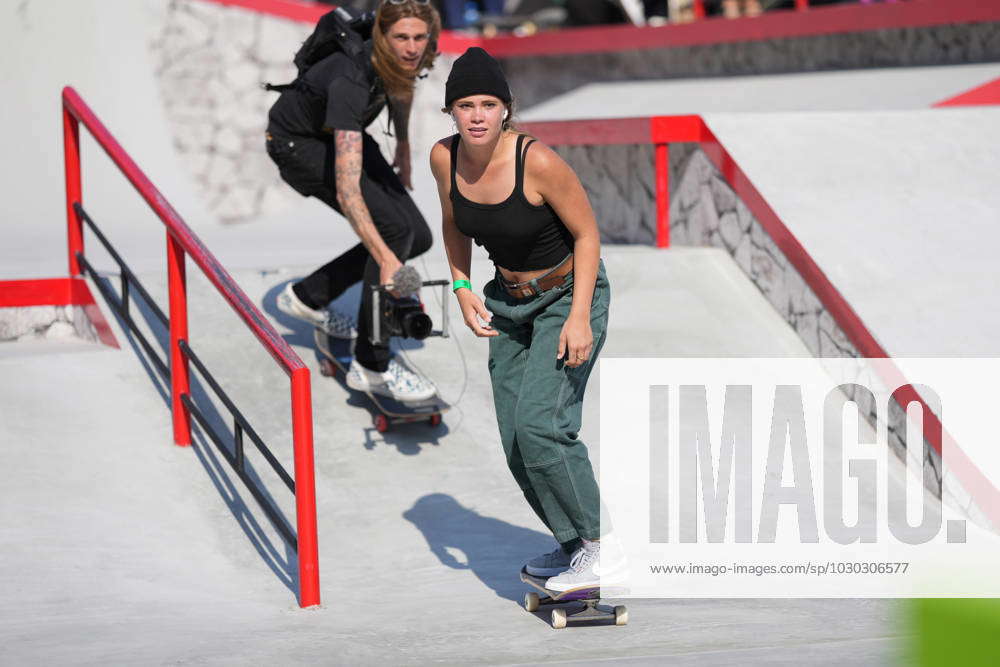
[(590, 597), (336, 358)]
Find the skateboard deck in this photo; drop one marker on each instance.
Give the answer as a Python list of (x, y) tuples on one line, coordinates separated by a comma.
[(336, 356), (590, 596)]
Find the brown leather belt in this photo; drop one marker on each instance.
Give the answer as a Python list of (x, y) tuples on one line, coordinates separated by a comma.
[(555, 278)]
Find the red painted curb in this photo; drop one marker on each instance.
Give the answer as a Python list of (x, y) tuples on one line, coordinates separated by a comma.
[(986, 94), (57, 292)]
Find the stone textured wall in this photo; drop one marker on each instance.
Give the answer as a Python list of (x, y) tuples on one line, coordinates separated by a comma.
[(705, 211), (621, 184), (45, 322), (210, 61), (534, 82)]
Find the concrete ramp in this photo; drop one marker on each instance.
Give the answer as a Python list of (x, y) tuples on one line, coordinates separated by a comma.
[(900, 88), (124, 545), (894, 201), (899, 209), (121, 547)]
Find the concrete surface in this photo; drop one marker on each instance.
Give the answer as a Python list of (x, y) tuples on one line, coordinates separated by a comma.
[(168, 560), (899, 209), (851, 90), (857, 187), (121, 547)]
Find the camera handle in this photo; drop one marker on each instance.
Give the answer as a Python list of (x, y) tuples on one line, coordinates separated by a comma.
[(379, 290)]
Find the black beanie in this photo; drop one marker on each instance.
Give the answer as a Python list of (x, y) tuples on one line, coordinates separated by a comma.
[(476, 73)]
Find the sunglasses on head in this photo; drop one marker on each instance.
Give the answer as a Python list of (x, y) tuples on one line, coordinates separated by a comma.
[(403, 2)]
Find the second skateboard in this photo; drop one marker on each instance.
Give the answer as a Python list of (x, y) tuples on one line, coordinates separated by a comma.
[(336, 356)]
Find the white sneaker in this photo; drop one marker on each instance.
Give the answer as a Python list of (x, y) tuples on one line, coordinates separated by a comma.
[(548, 565), (397, 382), (589, 570), (327, 320)]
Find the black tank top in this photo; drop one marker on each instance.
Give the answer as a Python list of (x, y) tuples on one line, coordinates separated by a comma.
[(518, 235)]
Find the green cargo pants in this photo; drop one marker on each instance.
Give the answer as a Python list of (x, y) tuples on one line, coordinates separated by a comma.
[(539, 404)]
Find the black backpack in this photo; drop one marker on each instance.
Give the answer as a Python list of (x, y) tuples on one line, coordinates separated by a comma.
[(342, 29)]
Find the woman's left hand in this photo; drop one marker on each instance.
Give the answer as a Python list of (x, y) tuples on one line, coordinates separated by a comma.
[(576, 341)]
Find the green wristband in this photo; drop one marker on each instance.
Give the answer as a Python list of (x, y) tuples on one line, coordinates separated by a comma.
[(459, 284)]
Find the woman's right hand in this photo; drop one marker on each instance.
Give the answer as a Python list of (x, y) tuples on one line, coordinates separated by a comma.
[(475, 314)]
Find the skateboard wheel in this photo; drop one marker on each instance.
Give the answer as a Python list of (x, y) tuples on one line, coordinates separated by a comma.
[(531, 601), (327, 369), (558, 619), (381, 423), (435, 420), (621, 615)]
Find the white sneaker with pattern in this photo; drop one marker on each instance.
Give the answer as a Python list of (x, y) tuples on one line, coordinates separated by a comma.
[(329, 321), (396, 382)]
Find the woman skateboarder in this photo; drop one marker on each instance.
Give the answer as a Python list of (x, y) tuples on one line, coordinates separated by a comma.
[(546, 309), (316, 136)]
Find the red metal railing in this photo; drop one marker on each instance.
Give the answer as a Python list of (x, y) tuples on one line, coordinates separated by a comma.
[(182, 243)]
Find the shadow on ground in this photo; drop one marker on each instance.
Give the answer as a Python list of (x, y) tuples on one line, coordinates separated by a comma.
[(493, 550), (278, 554)]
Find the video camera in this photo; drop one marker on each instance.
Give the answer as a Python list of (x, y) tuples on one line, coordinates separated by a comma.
[(404, 316)]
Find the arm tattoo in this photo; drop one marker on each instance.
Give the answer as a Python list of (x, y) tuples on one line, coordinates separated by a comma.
[(348, 178)]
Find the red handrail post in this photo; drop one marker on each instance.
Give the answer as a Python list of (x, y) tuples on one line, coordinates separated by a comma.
[(699, 9), (662, 195), (74, 188), (181, 243), (801, 5), (179, 376), (305, 488)]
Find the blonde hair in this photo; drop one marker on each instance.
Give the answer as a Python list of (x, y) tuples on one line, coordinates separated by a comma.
[(398, 81)]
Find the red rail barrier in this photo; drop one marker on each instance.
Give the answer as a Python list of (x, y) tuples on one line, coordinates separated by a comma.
[(181, 243), (663, 130), (824, 20)]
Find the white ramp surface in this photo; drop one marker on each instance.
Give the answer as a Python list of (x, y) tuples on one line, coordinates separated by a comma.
[(898, 88), (901, 210)]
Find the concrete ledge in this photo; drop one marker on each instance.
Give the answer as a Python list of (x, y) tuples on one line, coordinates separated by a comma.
[(52, 309), (48, 322)]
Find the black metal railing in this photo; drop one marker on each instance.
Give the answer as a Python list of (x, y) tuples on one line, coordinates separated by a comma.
[(121, 304), (235, 456)]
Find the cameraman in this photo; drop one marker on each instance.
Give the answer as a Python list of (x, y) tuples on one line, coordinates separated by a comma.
[(316, 137)]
